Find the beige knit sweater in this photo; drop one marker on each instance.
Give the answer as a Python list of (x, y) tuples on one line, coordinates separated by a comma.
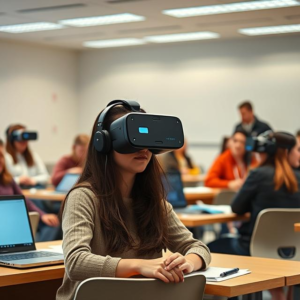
[(84, 247)]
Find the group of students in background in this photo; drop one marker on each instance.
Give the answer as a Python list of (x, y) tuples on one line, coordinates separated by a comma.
[(20, 167), (273, 182)]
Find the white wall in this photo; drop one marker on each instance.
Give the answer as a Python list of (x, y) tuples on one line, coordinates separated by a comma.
[(200, 82), (39, 88)]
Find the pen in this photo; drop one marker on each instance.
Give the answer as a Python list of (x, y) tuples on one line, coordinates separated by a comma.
[(229, 272)]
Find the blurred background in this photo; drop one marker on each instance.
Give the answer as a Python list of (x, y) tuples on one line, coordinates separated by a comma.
[(55, 79)]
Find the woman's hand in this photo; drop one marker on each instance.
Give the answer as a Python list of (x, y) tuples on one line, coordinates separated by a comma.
[(156, 268), (50, 220), (177, 260)]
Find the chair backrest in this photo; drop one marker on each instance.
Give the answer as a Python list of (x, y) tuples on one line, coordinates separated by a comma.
[(101, 288), (34, 221), (224, 198), (274, 236)]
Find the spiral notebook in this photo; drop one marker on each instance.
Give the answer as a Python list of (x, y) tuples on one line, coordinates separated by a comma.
[(212, 274)]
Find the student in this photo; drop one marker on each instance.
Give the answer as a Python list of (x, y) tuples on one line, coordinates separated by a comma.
[(272, 185), (8, 187), (116, 221), (71, 163), (230, 169), (24, 165), (250, 123), (178, 160)]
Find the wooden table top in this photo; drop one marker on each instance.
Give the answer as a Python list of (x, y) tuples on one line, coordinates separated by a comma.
[(297, 227), (192, 194), (266, 274), (287, 268), (204, 219)]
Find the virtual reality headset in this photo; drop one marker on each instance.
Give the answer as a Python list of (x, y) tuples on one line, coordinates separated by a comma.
[(23, 135), (136, 131), (266, 143)]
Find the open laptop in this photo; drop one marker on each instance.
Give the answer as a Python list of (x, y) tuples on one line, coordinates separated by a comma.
[(65, 185), (17, 247), (175, 195)]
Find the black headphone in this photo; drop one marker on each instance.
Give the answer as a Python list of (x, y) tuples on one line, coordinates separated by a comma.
[(102, 140)]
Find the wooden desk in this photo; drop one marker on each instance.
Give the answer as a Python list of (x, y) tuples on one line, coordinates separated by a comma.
[(192, 195), (43, 195), (266, 274), (289, 269), (297, 227), (206, 195), (204, 219), (192, 180)]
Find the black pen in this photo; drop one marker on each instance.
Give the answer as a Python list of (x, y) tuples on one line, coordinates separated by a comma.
[(229, 272)]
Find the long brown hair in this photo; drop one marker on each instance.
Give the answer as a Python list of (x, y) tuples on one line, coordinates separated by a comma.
[(101, 175), (284, 174), (5, 176), (10, 148)]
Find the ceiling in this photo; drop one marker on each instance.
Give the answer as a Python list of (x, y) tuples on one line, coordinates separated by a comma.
[(227, 25)]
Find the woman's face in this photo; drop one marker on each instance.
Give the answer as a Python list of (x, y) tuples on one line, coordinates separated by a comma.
[(134, 162), (294, 155), (20, 146), (237, 145), (80, 152)]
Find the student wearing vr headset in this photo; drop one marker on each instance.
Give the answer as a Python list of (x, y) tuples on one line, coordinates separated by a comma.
[(26, 166), (274, 184), (116, 221), (8, 187)]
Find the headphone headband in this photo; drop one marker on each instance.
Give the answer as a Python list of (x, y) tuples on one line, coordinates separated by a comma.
[(129, 104)]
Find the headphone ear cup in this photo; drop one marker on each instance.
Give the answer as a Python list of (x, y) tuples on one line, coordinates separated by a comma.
[(102, 141)]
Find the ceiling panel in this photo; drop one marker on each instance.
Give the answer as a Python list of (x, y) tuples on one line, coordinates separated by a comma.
[(227, 25)]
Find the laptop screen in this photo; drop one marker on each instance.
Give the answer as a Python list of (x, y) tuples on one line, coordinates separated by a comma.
[(67, 183), (174, 188), (15, 230)]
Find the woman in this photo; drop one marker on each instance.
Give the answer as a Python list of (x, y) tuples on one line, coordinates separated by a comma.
[(71, 163), (230, 168), (273, 185), (8, 187), (116, 224), (24, 165)]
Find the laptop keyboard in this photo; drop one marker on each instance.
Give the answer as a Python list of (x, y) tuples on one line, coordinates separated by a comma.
[(29, 255)]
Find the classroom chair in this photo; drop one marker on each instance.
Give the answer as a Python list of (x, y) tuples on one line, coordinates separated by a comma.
[(274, 236), (102, 288), (34, 218)]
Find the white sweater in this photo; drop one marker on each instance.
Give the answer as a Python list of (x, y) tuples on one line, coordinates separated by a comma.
[(38, 171)]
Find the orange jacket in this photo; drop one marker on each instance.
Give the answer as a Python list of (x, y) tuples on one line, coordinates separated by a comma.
[(223, 170)]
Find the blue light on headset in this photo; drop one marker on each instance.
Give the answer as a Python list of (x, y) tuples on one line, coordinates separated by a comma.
[(26, 135), (143, 130)]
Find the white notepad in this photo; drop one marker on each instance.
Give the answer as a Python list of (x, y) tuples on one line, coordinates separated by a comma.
[(212, 274)]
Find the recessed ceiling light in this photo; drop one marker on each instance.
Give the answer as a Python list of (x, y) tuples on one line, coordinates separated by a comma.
[(181, 37), (229, 8), (270, 30), (30, 27), (103, 20), (113, 43)]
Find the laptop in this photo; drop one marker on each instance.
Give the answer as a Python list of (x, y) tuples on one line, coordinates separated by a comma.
[(175, 195), (17, 247), (65, 185)]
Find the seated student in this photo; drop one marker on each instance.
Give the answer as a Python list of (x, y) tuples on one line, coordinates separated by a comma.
[(71, 163), (26, 166), (116, 224), (272, 185), (8, 187), (230, 169), (178, 160)]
